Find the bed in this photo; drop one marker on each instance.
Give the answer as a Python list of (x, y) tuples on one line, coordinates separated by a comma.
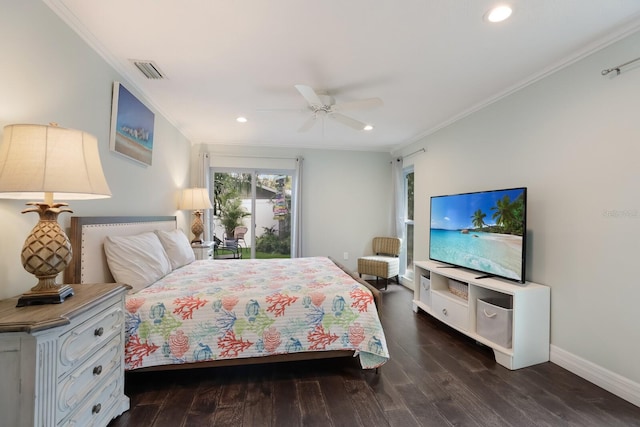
[(215, 313)]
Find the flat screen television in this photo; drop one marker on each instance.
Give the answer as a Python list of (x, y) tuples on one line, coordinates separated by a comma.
[(483, 231)]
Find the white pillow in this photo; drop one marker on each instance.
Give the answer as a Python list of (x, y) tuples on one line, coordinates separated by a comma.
[(177, 247), (136, 260)]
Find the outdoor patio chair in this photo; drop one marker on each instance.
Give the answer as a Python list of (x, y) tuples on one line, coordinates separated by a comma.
[(238, 234)]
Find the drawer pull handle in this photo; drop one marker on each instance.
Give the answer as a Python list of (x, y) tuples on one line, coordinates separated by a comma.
[(97, 370), (444, 311), (489, 315), (96, 408), (98, 332)]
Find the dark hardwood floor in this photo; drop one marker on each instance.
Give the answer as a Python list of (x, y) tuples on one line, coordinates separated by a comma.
[(435, 377)]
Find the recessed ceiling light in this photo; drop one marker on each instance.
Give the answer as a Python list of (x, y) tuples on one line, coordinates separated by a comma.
[(367, 127), (499, 14), (241, 119)]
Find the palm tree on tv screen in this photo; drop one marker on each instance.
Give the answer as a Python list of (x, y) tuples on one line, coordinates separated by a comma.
[(509, 215), (478, 218)]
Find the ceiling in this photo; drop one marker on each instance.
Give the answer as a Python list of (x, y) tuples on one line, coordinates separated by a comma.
[(430, 61)]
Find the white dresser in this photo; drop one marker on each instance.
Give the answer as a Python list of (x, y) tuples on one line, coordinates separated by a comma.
[(63, 364)]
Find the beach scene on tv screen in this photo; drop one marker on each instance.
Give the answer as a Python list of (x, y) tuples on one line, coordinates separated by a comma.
[(481, 231)]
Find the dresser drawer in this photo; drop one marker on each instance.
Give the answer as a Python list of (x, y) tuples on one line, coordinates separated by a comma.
[(450, 311), (84, 339), (82, 382), (97, 409)]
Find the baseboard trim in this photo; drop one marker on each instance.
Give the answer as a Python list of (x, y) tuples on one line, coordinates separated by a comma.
[(610, 381), (407, 282)]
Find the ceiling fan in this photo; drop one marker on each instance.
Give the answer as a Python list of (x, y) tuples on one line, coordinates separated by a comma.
[(322, 105)]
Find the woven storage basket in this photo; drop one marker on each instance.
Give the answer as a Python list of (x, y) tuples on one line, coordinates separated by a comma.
[(459, 289)]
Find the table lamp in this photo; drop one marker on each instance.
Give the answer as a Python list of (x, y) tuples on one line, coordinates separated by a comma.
[(196, 199), (39, 162)]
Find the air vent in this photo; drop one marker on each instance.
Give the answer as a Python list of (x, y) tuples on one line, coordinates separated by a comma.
[(149, 69)]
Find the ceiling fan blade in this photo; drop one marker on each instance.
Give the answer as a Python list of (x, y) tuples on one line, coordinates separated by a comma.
[(358, 105), (308, 124), (309, 94), (352, 123), (282, 110)]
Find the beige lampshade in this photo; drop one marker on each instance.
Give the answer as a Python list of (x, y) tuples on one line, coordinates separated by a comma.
[(195, 199), (39, 159)]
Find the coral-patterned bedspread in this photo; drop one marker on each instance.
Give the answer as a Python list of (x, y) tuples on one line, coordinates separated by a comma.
[(211, 310)]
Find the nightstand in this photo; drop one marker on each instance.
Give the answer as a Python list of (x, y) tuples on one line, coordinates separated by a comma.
[(63, 364), (202, 250)]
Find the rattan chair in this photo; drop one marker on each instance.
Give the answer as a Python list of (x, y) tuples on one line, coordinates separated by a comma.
[(385, 263)]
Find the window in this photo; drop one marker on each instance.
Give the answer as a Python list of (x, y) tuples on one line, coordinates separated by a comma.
[(408, 175)]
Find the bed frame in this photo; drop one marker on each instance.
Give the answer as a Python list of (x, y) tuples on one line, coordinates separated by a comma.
[(89, 265)]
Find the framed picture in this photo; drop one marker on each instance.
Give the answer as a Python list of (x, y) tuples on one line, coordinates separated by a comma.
[(131, 126)]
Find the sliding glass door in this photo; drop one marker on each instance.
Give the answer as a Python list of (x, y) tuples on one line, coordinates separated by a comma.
[(258, 200)]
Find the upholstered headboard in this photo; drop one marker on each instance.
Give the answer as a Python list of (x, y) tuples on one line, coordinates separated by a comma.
[(89, 263)]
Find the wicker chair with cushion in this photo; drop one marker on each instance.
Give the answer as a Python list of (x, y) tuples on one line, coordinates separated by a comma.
[(385, 263)]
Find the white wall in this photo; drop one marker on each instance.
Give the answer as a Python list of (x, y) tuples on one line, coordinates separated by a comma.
[(346, 194), (573, 139), (347, 202), (49, 74)]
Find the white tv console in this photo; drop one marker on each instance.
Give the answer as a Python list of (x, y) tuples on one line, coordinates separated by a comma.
[(531, 310)]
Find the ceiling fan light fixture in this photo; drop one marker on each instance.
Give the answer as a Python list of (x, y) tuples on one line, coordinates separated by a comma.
[(241, 119), (322, 105), (499, 13)]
